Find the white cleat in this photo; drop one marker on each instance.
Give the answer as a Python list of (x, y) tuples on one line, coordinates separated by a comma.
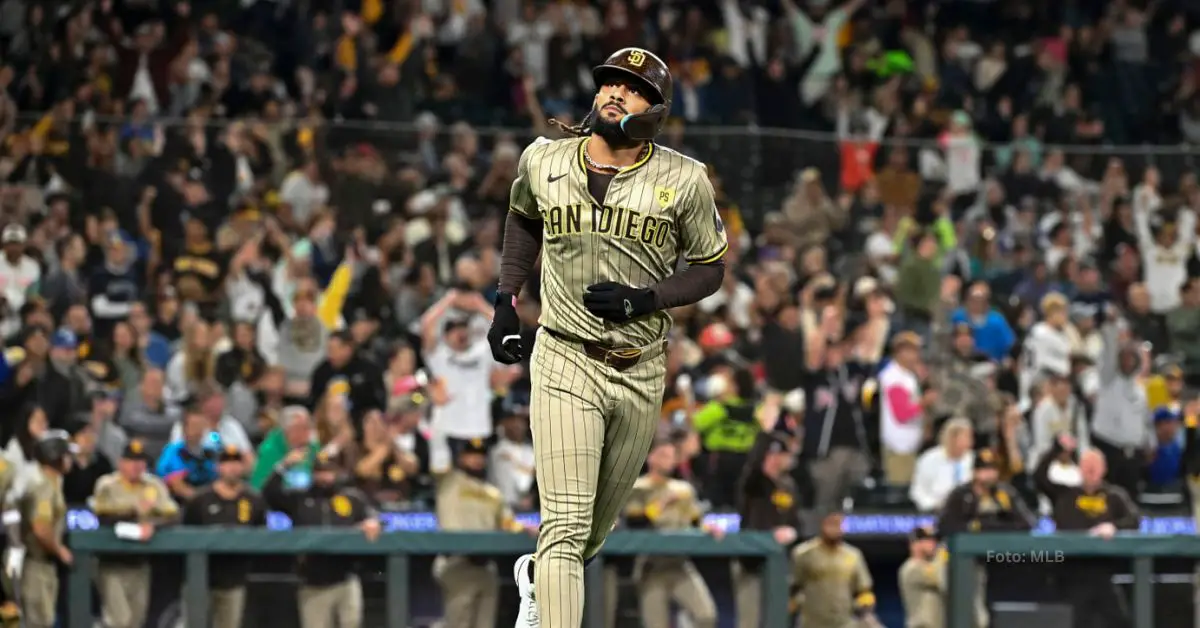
[(527, 613)]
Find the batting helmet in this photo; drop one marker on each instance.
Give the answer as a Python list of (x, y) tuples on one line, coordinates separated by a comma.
[(651, 73), (52, 447)]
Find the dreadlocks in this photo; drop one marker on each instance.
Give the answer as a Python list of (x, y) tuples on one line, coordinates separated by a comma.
[(583, 129), (575, 130)]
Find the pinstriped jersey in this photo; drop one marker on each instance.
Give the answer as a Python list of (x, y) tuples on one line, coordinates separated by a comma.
[(656, 211)]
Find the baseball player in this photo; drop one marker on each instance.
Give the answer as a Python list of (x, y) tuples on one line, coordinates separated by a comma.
[(923, 581), (466, 501), (834, 587), (611, 213), (43, 525), (663, 503)]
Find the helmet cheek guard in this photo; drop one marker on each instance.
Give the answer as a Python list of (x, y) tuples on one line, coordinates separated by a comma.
[(652, 74), (643, 127)]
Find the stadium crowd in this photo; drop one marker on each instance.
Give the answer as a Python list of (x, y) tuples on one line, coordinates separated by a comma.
[(274, 227)]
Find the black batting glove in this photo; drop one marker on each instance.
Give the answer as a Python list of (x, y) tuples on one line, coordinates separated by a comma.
[(505, 333), (618, 303)]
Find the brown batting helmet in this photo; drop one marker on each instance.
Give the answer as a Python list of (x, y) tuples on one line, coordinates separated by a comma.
[(649, 71)]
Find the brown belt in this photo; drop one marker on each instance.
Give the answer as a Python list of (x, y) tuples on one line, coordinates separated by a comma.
[(619, 359)]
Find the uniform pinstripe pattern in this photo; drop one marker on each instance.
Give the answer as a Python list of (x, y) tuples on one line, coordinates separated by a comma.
[(592, 428), (655, 212), (593, 425)]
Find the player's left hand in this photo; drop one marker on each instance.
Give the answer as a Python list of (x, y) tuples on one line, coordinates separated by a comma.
[(618, 303)]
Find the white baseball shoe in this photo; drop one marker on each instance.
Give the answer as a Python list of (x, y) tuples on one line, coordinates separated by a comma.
[(527, 613)]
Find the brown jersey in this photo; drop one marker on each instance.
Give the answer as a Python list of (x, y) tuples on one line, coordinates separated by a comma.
[(922, 586), (468, 503), (118, 500), (656, 211), (830, 579), (42, 502), (667, 504)]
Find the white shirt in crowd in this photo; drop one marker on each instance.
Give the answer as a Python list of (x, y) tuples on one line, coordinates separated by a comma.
[(510, 469), (15, 281), (902, 437), (963, 154), (1046, 349), (1050, 419), (533, 38), (936, 475), (143, 85), (881, 251), (246, 299), (467, 377), (1082, 239), (1091, 345), (303, 195), (1164, 267)]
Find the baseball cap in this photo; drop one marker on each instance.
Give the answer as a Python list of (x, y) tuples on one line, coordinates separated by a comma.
[(135, 450), (716, 335), (230, 453), (407, 403), (906, 339), (13, 234), (985, 459), (516, 403), (1167, 413), (475, 446), (777, 444), (453, 323), (65, 339), (795, 401), (866, 286), (327, 461), (119, 237), (923, 533)]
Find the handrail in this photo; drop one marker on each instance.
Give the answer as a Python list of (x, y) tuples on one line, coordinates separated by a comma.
[(1182, 149), (1142, 549), (197, 543)]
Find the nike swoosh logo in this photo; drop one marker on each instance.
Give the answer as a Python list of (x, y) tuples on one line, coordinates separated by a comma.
[(552, 178)]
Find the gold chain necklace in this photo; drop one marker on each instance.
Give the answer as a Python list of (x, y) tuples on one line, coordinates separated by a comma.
[(609, 167)]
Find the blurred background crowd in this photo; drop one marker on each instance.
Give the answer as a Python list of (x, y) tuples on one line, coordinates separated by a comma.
[(215, 210)]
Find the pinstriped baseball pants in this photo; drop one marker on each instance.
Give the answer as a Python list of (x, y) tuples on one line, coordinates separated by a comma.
[(592, 429)]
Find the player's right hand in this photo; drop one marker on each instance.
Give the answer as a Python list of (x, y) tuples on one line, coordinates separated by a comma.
[(505, 334)]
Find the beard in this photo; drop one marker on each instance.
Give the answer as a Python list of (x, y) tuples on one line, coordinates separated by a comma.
[(611, 132)]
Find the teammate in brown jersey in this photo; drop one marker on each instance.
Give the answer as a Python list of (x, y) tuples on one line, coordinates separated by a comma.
[(611, 213)]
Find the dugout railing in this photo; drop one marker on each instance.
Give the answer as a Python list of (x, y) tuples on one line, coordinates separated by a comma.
[(968, 550), (197, 544)]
